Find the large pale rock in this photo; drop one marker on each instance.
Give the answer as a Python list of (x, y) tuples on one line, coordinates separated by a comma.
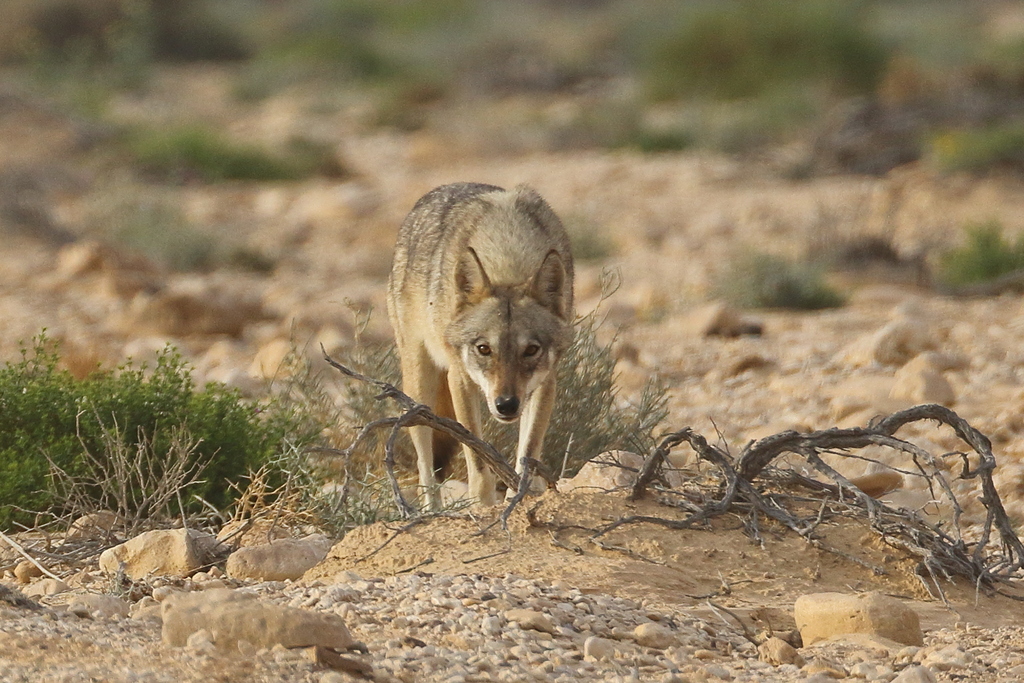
[(718, 319), (196, 305), (599, 649), (776, 651), (269, 362), (651, 634), (921, 381), (530, 619), (46, 587), (823, 615), (607, 471), (232, 616), (94, 525), (286, 558), (915, 674), (894, 343), (614, 470), (98, 605), (162, 552)]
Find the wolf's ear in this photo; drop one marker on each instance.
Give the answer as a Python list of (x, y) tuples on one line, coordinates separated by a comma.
[(470, 277), (529, 202), (548, 286)]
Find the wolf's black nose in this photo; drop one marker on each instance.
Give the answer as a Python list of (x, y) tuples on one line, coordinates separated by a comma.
[(507, 405)]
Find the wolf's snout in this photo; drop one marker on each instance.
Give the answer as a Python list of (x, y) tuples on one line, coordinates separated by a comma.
[(507, 406)]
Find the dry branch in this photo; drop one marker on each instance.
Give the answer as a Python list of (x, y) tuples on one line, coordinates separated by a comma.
[(416, 415), (942, 553)]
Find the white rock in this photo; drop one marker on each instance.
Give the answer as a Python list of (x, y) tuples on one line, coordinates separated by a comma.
[(45, 587), (651, 634), (286, 558), (161, 552), (231, 616), (99, 605), (915, 674), (597, 649), (823, 615)]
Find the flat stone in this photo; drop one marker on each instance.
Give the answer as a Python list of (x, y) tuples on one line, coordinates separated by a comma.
[(532, 620), (279, 560), (232, 616), (651, 634), (823, 615)]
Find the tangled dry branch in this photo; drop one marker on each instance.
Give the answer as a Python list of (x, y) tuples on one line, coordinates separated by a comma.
[(754, 485), (752, 482)]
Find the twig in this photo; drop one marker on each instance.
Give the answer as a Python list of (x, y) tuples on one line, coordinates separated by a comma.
[(14, 544), (417, 414)]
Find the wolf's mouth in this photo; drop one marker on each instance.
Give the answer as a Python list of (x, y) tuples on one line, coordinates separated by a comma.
[(507, 418)]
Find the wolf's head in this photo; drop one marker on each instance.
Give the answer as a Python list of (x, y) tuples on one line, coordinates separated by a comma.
[(509, 338)]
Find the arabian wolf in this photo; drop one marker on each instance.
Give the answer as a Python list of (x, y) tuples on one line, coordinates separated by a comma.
[(481, 299)]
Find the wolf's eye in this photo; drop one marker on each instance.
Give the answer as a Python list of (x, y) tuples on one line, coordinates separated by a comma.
[(531, 350), (483, 349)]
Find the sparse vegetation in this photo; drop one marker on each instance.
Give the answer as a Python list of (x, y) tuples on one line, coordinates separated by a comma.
[(196, 152), (746, 48), (51, 422), (985, 255), (977, 150), (758, 280)]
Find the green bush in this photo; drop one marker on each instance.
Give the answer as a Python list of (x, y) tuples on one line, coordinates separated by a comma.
[(50, 419), (985, 256), (979, 150), (741, 48), (759, 280), (198, 152)]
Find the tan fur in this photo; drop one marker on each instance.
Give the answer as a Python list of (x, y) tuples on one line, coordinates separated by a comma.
[(481, 298)]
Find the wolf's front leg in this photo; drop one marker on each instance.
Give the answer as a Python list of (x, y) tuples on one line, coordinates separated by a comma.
[(533, 425), (420, 380), (482, 485)]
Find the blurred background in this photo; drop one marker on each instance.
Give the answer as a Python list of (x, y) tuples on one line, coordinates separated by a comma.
[(866, 84)]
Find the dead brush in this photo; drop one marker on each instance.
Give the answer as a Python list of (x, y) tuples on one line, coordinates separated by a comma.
[(142, 485)]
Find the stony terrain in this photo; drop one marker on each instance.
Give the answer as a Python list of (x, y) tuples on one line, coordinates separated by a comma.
[(673, 222)]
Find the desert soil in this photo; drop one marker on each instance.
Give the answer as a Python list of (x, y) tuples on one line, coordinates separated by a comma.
[(674, 221)]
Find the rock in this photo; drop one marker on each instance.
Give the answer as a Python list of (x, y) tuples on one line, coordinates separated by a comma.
[(269, 362), (777, 652), (877, 484), (921, 381), (607, 471), (915, 674), (162, 552), (46, 587), (453, 491), (599, 649), (93, 525), (196, 305), (98, 605), (286, 558), (532, 620), (654, 635), (25, 571), (718, 319), (200, 641), (232, 616), (894, 343), (822, 615)]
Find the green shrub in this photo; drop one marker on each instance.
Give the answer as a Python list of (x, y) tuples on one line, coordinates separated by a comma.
[(49, 418), (979, 150), (741, 48), (198, 152), (985, 256), (759, 280)]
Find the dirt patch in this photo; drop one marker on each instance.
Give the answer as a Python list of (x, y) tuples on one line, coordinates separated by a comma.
[(549, 539)]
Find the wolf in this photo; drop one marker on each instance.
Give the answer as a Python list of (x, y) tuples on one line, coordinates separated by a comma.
[(481, 301)]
